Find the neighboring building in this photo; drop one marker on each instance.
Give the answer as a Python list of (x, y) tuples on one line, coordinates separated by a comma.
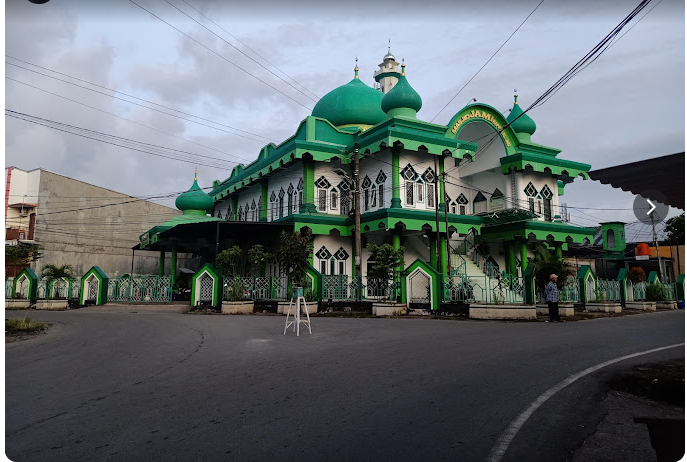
[(610, 253), (79, 224), (499, 189)]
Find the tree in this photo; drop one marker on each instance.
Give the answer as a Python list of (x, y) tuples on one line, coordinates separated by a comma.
[(546, 264), (385, 261), (293, 254), (675, 228), (636, 274), (22, 254), (257, 257), (52, 272), (228, 261)]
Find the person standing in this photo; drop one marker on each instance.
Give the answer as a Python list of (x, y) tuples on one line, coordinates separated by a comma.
[(551, 295)]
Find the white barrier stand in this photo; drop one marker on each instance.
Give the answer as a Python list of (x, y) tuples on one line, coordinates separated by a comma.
[(296, 322)]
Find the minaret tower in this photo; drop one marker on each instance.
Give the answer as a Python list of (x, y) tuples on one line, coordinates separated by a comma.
[(389, 72)]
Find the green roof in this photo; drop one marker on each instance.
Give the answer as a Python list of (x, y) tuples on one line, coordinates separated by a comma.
[(524, 123), (351, 104), (194, 200), (402, 96)]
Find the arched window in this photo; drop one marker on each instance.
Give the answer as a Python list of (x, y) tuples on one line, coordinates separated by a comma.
[(334, 199), (429, 178), (547, 195), (282, 193), (479, 204), (299, 188), (322, 186), (409, 177), (289, 199), (367, 193), (381, 180), (345, 200), (253, 211), (462, 203), (240, 216), (610, 239), (273, 206)]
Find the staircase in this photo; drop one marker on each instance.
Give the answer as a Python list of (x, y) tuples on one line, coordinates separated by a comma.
[(485, 289)]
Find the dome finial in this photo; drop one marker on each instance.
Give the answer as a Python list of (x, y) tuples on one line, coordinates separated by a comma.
[(516, 95), (356, 68), (195, 176), (403, 66)]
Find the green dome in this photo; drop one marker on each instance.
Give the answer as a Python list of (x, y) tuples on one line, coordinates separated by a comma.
[(524, 124), (352, 104), (194, 200), (402, 97)]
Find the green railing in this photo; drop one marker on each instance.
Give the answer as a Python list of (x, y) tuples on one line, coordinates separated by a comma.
[(255, 288), (143, 289)]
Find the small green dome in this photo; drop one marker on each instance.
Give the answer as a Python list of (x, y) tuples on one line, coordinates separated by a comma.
[(194, 200), (352, 104), (401, 98), (524, 124)]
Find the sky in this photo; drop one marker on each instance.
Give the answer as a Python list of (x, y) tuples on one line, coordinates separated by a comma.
[(628, 105)]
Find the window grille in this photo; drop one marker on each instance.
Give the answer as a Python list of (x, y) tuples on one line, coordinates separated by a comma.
[(409, 192), (430, 195), (366, 199), (322, 205), (547, 209), (334, 197), (420, 191), (462, 209), (374, 197), (380, 195)]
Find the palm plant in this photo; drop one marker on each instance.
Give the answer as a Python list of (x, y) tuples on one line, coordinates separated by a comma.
[(52, 272), (548, 263)]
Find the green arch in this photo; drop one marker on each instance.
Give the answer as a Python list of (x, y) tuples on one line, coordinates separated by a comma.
[(484, 113)]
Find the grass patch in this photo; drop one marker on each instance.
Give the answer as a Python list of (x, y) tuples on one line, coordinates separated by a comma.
[(26, 324)]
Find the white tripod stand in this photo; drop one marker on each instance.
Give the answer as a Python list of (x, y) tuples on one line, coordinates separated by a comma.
[(296, 322)]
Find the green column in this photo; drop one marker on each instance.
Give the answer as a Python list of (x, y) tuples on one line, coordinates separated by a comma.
[(396, 242), (442, 195), (308, 186), (263, 200), (433, 250), (443, 265), (559, 250), (523, 255), (511, 263), (234, 206), (161, 266), (395, 180), (173, 269)]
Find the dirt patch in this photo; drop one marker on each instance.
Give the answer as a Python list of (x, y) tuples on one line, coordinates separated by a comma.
[(660, 382), (11, 337)]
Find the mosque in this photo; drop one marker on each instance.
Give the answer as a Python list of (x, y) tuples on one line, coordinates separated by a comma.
[(479, 182)]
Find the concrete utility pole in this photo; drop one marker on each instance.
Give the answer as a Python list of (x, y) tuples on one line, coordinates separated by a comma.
[(658, 250), (436, 210), (358, 242), (448, 243)]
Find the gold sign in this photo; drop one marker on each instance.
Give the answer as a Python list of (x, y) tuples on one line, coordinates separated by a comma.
[(478, 114)]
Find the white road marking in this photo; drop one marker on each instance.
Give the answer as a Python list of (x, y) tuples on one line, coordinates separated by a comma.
[(507, 436)]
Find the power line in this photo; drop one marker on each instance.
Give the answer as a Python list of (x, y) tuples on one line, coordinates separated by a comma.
[(147, 107), (488, 61), (195, 162), (237, 49), (224, 58), (124, 118), (245, 45)]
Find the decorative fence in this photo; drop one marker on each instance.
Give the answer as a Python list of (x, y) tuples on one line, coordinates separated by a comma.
[(499, 290), (144, 288), (9, 282), (254, 287), (638, 290), (607, 290)]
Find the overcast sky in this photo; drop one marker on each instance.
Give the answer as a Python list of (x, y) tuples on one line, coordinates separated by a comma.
[(628, 105)]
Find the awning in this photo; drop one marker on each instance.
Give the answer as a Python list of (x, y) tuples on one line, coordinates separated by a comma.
[(664, 174)]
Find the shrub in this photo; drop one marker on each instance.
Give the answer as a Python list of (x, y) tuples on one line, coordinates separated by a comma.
[(235, 291), (636, 275), (656, 292)]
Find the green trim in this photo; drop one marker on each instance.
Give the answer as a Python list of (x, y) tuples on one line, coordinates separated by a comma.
[(561, 187), (653, 277), (540, 229), (434, 281), (103, 280), (264, 201), (308, 186), (379, 77), (316, 278), (395, 179), (540, 162), (217, 281), (32, 294), (622, 278), (483, 113)]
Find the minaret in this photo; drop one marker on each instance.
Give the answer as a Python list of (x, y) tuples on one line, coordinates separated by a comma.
[(387, 75)]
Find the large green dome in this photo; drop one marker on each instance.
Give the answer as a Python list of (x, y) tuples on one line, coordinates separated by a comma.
[(194, 201), (524, 123), (352, 104), (402, 99)]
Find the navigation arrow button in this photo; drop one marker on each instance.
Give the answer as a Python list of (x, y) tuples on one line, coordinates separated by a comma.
[(653, 207)]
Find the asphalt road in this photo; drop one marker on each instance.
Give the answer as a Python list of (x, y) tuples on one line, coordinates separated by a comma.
[(105, 385)]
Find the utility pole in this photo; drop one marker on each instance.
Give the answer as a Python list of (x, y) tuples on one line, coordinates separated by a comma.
[(448, 244), (436, 209), (358, 243), (658, 250)]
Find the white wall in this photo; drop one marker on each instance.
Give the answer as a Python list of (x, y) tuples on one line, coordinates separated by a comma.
[(282, 179), (246, 198), (420, 162), (538, 180)]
